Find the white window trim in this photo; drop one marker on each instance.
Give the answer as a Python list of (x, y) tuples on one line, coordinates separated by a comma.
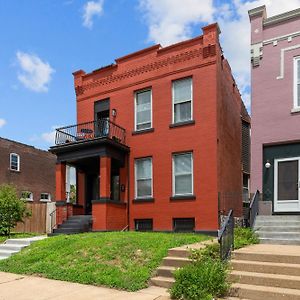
[(135, 111), (296, 79), (27, 199), (173, 104), (10, 161), (173, 174), (135, 178), (44, 200)]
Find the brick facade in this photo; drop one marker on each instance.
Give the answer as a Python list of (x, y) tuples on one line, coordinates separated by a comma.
[(214, 135), (37, 169)]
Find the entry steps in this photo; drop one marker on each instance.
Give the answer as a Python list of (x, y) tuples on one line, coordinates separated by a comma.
[(280, 230)]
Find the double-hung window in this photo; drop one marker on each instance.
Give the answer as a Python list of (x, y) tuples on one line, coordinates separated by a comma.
[(297, 83), (143, 178), (182, 100), (14, 162), (182, 174), (143, 110)]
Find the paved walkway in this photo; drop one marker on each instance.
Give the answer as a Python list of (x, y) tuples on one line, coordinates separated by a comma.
[(21, 287)]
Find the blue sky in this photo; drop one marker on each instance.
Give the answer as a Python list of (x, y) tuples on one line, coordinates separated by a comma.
[(43, 42)]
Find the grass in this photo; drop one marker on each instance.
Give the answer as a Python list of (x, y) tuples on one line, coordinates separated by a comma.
[(124, 260), (16, 235), (244, 237)]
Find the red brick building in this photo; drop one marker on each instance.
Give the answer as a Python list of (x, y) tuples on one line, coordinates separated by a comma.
[(30, 170), (158, 144)]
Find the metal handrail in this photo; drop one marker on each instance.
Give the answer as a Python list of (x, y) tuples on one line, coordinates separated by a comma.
[(253, 208), (51, 218), (90, 130), (226, 236)]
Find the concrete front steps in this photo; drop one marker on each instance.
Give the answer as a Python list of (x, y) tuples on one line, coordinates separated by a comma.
[(74, 224), (12, 246), (266, 272), (177, 258), (283, 230)]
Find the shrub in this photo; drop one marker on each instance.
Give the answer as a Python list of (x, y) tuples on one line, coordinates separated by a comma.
[(12, 209), (201, 280), (244, 237), (204, 279)]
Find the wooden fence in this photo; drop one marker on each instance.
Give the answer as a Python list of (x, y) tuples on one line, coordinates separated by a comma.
[(39, 221)]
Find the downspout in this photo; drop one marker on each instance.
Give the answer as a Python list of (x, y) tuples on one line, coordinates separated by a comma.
[(128, 193)]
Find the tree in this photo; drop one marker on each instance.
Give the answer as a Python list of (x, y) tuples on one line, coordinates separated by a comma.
[(12, 209)]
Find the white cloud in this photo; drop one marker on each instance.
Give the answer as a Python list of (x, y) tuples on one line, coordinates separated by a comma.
[(34, 74), (90, 10), (2, 122), (170, 21), (49, 137)]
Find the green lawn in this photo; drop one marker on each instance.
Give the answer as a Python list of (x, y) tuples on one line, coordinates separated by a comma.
[(124, 260), (16, 235)]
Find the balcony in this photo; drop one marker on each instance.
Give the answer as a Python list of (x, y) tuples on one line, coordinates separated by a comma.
[(84, 132)]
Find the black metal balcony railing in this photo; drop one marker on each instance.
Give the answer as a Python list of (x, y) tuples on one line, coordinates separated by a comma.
[(90, 131)]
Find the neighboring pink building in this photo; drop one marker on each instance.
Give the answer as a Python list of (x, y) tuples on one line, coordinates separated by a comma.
[(275, 75)]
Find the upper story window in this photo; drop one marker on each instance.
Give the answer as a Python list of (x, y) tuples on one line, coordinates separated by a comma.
[(143, 110), (183, 174), (26, 195), (45, 197), (143, 177), (182, 100), (297, 82), (14, 162)]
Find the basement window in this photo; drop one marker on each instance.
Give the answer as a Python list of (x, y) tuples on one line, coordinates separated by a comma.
[(143, 224), (184, 224)]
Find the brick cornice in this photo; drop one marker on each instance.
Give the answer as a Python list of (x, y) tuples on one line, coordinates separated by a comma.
[(174, 59), (97, 94)]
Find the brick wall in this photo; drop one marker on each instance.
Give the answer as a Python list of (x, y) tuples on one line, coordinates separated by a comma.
[(37, 169)]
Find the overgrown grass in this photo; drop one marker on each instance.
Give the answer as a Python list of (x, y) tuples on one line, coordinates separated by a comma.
[(244, 237), (124, 260), (16, 235), (204, 279)]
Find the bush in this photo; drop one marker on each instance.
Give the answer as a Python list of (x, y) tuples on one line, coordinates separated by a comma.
[(204, 279), (12, 209), (201, 280), (244, 237)]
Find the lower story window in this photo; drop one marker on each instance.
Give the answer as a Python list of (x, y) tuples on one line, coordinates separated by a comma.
[(143, 177), (45, 197), (184, 224), (27, 196), (143, 224)]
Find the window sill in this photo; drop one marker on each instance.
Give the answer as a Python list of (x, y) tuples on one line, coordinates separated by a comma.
[(143, 200), (16, 171), (27, 200), (42, 200), (136, 132), (182, 197), (185, 123), (295, 110)]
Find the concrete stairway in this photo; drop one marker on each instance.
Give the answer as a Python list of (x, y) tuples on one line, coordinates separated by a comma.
[(177, 258), (74, 224), (284, 230), (12, 246), (266, 272)]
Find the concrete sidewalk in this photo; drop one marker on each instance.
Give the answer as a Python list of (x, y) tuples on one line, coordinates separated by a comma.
[(22, 287)]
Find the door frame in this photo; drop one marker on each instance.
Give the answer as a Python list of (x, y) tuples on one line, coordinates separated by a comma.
[(291, 205)]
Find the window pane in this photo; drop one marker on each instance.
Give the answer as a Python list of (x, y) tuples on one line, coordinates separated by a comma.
[(298, 70), (182, 112), (144, 188), (143, 126), (143, 168), (183, 184), (183, 164), (143, 108), (298, 93), (182, 90)]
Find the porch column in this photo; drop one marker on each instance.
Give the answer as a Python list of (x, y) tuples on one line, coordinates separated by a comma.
[(105, 177), (60, 180)]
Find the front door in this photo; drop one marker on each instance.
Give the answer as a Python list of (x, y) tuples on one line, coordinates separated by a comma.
[(286, 185)]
